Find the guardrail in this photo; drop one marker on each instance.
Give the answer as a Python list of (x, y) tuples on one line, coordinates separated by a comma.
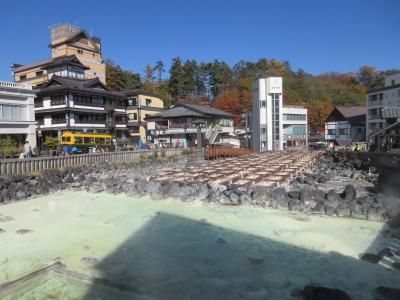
[(224, 152), (38, 164)]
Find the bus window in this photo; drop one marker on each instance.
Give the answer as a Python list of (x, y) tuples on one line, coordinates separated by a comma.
[(108, 141), (88, 140), (66, 139), (78, 140), (99, 140)]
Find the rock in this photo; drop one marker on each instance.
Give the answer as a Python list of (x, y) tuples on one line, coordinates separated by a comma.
[(224, 200), (370, 257), (332, 198), (174, 190), (322, 178), (202, 192), (349, 192), (131, 190), (329, 211), (69, 179), (387, 293), (153, 187), (89, 261), (294, 194), (323, 293), (279, 199), (296, 205), (315, 195), (358, 211), (96, 189), (4, 218), (20, 195), (343, 210), (259, 195), (235, 199), (319, 208), (23, 231), (376, 214), (216, 187), (141, 185)]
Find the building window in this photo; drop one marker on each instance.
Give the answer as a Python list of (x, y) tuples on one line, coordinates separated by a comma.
[(132, 101), (393, 83), (57, 100), (13, 112), (132, 117), (39, 73), (148, 102), (80, 51), (262, 104), (22, 77)]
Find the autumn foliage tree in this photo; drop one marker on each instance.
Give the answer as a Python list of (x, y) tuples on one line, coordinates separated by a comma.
[(228, 101)]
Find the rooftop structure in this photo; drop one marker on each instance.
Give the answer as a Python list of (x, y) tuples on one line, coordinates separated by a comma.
[(345, 125), (66, 41)]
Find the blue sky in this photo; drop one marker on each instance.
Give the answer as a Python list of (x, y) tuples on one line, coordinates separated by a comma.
[(315, 35)]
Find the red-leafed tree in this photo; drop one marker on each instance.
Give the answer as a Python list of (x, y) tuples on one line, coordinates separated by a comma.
[(228, 101)]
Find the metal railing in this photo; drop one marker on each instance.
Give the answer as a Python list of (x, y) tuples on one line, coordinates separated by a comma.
[(38, 164), (6, 84)]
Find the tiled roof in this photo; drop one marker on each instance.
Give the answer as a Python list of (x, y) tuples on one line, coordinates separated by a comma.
[(33, 65), (351, 111)]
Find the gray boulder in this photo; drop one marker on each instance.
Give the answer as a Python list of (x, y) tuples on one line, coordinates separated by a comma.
[(279, 199), (349, 192), (311, 292)]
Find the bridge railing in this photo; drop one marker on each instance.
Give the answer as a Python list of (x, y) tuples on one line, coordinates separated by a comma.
[(38, 164)]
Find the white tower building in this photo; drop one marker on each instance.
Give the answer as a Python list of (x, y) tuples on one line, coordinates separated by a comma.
[(267, 114), (275, 126)]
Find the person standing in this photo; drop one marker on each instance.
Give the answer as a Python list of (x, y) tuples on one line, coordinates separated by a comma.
[(27, 149)]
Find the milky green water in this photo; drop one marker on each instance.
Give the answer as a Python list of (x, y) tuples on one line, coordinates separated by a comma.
[(174, 250)]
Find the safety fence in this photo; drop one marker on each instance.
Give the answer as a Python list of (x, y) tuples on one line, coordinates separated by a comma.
[(38, 164)]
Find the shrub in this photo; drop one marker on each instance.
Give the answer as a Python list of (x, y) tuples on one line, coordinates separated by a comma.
[(8, 147), (51, 143)]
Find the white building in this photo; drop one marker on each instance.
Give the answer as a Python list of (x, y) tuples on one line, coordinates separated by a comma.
[(345, 125), (17, 114), (274, 126), (381, 99)]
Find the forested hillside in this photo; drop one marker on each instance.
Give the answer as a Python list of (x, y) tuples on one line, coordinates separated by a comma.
[(229, 88)]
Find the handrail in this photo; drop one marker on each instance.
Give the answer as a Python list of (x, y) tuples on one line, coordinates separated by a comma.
[(7, 84), (38, 164)]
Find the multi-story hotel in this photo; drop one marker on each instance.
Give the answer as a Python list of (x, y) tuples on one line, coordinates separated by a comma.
[(140, 105), (66, 40), (68, 102), (17, 116), (274, 126), (381, 103)]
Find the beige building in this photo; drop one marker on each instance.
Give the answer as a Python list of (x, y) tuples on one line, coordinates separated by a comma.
[(66, 40), (141, 104)]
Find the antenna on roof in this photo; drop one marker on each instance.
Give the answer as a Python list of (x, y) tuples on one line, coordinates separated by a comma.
[(91, 32)]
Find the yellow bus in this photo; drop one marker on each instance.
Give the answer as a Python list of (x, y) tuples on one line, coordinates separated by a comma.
[(82, 142)]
